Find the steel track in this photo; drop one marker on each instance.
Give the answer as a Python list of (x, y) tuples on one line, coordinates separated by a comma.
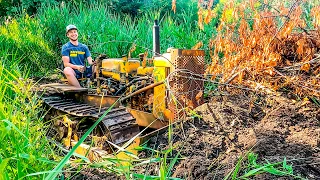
[(119, 125)]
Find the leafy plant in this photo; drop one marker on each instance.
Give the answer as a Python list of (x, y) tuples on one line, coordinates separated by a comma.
[(253, 168)]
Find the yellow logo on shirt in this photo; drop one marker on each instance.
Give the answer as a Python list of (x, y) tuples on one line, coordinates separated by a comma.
[(75, 53)]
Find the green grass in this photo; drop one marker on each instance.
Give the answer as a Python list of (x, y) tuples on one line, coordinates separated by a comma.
[(30, 46), (249, 167), (24, 148), (21, 40), (113, 34), (37, 40)]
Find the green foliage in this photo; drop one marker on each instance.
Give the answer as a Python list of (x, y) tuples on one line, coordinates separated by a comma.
[(163, 159), (22, 40), (253, 168), (315, 100), (164, 8), (306, 15), (138, 8), (209, 88), (31, 6), (41, 38), (24, 148), (133, 8), (129, 7), (10, 7), (114, 35)]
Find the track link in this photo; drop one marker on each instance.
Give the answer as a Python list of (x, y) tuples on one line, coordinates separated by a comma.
[(118, 124)]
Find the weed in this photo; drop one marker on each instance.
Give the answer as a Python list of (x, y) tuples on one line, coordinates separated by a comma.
[(252, 168), (24, 148)]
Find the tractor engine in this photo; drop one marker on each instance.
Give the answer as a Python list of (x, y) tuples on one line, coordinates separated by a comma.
[(124, 76)]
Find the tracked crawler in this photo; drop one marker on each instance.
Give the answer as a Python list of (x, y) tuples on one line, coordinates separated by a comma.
[(138, 89), (118, 126)]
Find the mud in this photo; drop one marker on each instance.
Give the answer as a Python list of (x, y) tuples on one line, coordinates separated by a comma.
[(274, 128)]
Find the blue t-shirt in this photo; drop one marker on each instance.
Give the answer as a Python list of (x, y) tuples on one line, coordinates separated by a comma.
[(77, 54)]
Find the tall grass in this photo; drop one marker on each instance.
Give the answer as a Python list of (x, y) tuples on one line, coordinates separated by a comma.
[(38, 40), (24, 148), (23, 38), (106, 32)]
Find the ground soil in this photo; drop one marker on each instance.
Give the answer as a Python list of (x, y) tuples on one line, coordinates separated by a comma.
[(273, 127)]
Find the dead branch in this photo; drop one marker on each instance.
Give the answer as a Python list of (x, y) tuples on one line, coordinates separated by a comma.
[(294, 5), (234, 76), (314, 60)]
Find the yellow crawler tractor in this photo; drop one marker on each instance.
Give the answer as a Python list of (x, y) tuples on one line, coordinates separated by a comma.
[(139, 91)]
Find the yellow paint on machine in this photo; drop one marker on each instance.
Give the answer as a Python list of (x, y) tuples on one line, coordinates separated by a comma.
[(97, 154), (115, 67), (145, 70), (162, 68)]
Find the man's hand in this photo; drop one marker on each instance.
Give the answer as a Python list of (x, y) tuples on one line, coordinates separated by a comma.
[(80, 68)]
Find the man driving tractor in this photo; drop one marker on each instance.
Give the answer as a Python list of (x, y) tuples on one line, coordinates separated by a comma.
[(74, 54)]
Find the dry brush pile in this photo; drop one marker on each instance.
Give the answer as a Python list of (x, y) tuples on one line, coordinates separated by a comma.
[(268, 48)]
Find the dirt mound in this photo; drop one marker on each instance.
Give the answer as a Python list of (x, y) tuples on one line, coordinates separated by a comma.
[(272, 127)]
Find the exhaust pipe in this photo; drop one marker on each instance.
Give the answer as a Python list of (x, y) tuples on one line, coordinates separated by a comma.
[(156, 39)]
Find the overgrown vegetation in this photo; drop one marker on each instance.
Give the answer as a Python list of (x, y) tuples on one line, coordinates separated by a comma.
[(24, 149), (269, 48), (39, 40), (115, 34), (23, 43), (30, 46), (242, 51), (133, 8)]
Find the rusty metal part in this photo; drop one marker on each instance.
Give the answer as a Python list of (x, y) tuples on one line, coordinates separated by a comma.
[(98, 66), (61, 88), (98, 100), (183, 86), (141, 90), (118, 125)]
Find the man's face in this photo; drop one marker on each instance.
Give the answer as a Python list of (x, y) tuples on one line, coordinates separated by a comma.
[(73, 34)]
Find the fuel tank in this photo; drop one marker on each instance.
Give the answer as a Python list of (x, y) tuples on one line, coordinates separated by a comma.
[(114, 67)]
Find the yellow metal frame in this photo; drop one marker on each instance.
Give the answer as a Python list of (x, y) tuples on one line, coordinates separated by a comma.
[(145, 119), (115, 67), (162, 67)]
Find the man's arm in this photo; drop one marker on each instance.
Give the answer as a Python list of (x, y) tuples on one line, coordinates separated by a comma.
[(66, 63), (90, 60), (88, 55)]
